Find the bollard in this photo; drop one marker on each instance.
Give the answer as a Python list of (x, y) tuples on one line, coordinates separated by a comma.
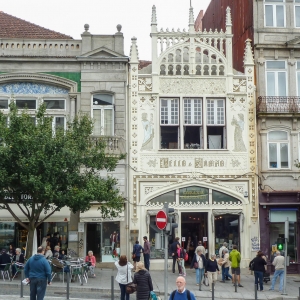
[(200, 284), (235, 283), (81, 276), (213, 291), (112, 287), (22, 285), (68, 285), (255, 291), (299, 294)]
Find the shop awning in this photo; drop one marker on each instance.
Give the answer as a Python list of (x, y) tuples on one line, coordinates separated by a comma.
[(94, 215)]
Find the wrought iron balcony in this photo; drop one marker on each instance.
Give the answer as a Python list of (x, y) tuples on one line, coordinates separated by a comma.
[(113, 144), (278, 105)]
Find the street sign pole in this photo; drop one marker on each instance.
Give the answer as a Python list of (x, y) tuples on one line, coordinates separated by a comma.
[(286, 237), (166, 207)]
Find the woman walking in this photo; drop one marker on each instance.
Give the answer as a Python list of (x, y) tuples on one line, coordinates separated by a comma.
[(124, 275), (180, 260), (143, 282), (212, 270), (258, 266), (199, 263), (225, 263)]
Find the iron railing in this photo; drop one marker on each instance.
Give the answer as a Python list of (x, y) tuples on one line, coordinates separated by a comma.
[(113, 144), (278, 104)]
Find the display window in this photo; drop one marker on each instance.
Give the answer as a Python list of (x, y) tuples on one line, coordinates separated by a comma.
[(7, 234)]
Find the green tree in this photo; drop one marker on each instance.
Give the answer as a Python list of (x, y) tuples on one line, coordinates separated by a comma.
[(53, 169)]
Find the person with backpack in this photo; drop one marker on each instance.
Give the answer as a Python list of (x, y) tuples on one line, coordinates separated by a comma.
[(180, 260), (199, 263), (258, 266), (181, 293), (136, 253)]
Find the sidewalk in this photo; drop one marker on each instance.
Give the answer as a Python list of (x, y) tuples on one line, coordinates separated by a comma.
[(102, 284)]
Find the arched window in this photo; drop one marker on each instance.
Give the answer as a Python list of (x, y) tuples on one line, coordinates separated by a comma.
[(278, 150), (103, 114)]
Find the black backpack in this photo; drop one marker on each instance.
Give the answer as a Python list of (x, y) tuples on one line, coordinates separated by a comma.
[(252, 265), (187, 292)]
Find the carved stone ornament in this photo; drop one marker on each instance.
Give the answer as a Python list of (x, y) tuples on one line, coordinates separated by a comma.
[(192, 86)]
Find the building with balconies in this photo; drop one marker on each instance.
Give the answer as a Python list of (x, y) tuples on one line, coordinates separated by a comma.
[(193, 140), (88, 75), (274, 28)]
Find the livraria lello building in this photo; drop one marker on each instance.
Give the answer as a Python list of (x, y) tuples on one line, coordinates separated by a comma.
[(193, 140)]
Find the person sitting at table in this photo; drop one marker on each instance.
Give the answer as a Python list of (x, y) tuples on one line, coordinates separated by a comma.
[(48, 252), (91, 259), (56, 250), (4, 259), (18, 260), (59, 265)]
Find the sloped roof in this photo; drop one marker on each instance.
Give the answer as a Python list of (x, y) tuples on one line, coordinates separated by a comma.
[(13, 27)]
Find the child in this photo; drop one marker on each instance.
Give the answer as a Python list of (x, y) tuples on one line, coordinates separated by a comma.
[(180, 260)]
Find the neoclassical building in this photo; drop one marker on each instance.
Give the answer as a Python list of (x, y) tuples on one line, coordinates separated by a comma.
[(38, 65), (193, 140)]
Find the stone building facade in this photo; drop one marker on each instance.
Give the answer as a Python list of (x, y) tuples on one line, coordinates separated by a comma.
[(87, 75), (193, 140)]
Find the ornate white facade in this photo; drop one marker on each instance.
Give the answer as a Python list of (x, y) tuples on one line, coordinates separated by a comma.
[(192, 131)]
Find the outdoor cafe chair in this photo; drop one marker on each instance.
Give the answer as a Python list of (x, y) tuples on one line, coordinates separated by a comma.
[(5, 272)]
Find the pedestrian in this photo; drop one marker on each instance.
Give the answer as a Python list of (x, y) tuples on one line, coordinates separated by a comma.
[(180, 260), (173, 252), (199, 258), (212, 270), (146, 253), (278, 262), (124, 275), (38, 273), (136, 253), (235, 258), (221, 254), (143, 282), (225, 263), (181, 292), (91, 260), (201, 248), (258, 266)]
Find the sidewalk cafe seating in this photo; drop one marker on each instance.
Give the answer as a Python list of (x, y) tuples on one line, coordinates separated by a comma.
[(5, 272)]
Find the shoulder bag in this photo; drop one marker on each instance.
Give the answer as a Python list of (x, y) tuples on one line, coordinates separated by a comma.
[(130, 287), (196, 264)]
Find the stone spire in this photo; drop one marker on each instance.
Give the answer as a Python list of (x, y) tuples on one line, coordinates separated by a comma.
[(191, 19), (153, 20), (248, 55), (228, 20), (134, 53)]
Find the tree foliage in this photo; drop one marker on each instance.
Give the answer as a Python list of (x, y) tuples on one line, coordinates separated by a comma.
[(53, 169)]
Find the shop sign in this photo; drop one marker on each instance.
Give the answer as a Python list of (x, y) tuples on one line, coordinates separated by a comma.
[(23, 197), (196, 163)]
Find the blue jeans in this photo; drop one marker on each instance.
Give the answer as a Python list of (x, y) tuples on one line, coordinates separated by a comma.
[(199, 275), (225, 273), (123, 292), (37, 288), (277, 273), (147, 261), (259, 276)]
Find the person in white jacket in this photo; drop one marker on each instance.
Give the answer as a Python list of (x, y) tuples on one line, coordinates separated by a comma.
[(124, 275)]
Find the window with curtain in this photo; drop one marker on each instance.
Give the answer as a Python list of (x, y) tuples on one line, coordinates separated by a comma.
[(274, 13), (103, 114), (276, 78), (278, 149)]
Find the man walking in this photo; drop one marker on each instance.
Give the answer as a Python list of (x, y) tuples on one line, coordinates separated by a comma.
[(235, 258), (38, 273), (146, 252), (278, 262), (174, 251), (181, 292)]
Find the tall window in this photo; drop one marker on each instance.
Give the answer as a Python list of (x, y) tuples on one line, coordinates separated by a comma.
[(103, 114), (276, 78), (274, 13), (184, 117), (278, 145), (298, 78), (297, 13)]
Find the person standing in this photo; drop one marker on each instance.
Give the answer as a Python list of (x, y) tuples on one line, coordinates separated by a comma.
[(181, 292), (278, 262), (146, 252), (143, 282), (136, 253), (221, 254), (199, 258), (212, 270), (38, 273), (180, 260), (225, 263), (258, 266), (124, 275), (173, 252), (201, 248), (235, 258)]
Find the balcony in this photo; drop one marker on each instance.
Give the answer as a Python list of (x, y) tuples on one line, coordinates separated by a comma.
[(114, 144), (278, 105)]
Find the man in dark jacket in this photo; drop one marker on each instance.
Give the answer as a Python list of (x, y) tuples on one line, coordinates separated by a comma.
[(4, 259), (173, 252), (146, 252), (38, 273), (136, 253)]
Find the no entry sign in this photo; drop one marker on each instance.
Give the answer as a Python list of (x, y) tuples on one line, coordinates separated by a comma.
[(161, 220)]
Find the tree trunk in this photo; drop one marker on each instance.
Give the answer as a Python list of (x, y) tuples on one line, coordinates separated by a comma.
[(29, 246)]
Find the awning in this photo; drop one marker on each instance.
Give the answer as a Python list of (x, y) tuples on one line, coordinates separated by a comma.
[(94, 215)]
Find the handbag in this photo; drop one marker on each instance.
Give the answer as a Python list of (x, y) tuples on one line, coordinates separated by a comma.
[(133, 256), (130, 287), (196, 265)]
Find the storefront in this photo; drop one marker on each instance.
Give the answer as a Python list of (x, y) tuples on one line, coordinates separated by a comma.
[(275, 208)]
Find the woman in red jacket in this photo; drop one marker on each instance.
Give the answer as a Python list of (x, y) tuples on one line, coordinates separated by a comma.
[(92, 260)]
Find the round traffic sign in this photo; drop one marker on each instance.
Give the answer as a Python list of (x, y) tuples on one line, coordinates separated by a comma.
[(161, 220)]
